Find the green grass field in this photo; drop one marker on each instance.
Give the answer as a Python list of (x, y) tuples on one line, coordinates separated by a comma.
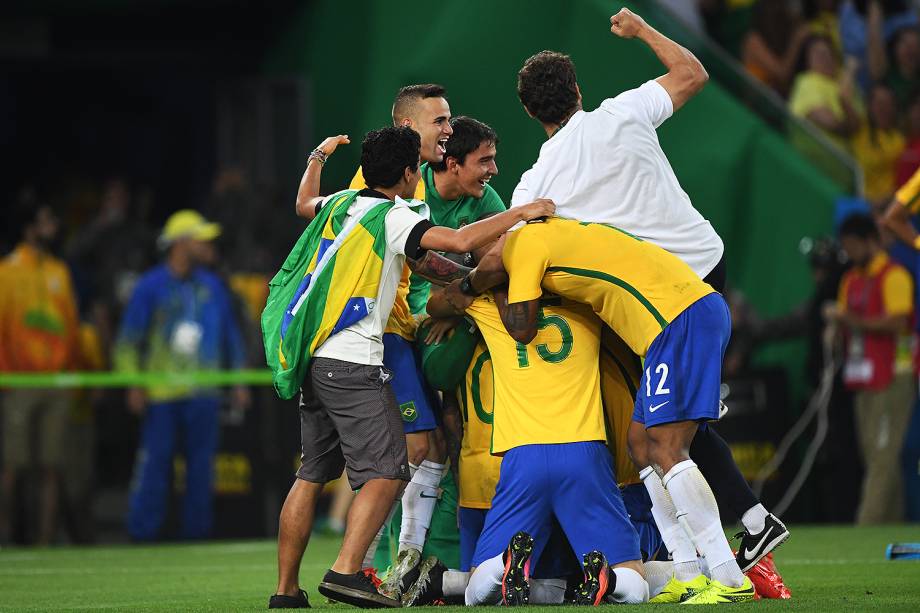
[(827, 568)]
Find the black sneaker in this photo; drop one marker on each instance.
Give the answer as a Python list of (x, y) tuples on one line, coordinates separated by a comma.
[(280, 601), (357, 590), (755, 546), (598, 580), (516, 580), (428, 587)]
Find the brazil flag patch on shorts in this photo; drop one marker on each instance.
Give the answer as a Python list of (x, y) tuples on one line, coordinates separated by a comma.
[(408, 412)]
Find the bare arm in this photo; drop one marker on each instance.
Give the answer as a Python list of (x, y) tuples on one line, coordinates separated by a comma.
[(308, 192), (448, 302), (897, 219), (438, 269), (490, 271), (686, 75), (520, 318), (482, 232), (780, 68)]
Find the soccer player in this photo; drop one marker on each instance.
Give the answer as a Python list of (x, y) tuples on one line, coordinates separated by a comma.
[(607, 166), (548, 424), (349, 418), (667, 315)]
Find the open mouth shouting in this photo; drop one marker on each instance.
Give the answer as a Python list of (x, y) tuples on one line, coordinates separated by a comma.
[(442, 146)]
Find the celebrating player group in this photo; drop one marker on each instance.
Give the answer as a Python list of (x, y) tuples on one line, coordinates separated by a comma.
[(561, 363)]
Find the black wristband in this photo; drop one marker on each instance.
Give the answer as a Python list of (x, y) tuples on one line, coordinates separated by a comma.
[(466, 287)]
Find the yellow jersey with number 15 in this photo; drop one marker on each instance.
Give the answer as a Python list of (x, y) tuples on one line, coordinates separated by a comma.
[(478, 467), (401, 321), (635, 287), (548, 391)]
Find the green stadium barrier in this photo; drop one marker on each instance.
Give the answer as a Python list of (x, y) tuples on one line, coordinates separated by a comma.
[(199, 378)]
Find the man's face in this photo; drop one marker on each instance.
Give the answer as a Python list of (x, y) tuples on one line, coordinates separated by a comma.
[(432, 122), (858, 250), (202, 252), (412, 179), (45, 227), (477, 169)]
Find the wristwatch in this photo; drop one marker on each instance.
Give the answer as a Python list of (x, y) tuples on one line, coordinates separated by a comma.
[(466, 287)]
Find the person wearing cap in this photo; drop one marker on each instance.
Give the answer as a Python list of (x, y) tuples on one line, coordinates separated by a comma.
[(179, 319)]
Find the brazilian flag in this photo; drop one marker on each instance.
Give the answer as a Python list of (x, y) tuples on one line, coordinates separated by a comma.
[(328, 282)]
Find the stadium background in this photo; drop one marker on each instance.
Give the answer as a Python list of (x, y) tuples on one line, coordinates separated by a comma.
[(169, 95)]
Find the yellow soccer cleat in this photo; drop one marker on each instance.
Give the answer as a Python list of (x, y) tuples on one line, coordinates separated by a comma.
[(678, 591), (717, 593)]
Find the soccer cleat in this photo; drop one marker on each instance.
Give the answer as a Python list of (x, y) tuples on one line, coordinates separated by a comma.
[(428, 587), (357, 590), (403, 573), (516, 579), (767, 581), (281, 601), (372, 573), (678, 591), (597, 581), (718, 593), (755, 546)]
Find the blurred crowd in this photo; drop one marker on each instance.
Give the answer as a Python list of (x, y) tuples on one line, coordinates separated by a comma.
[(95, 279)]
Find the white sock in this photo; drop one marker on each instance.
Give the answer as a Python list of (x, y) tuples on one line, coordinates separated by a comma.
[(675, 537), (485, 586), (547, 591), (454, 582), (697, 506), (418, 502), (754, 519), (631, 588), (372, 549), (657, 575)]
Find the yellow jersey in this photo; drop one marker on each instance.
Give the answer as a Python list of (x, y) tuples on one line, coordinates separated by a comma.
[(478, 467), (548, 391), (635, 287), (620, 374), (909, 194), (401, 321)]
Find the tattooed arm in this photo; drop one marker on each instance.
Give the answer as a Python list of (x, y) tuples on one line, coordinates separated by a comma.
[(453, 432), (438, 269), (520, 318), (449, 302)]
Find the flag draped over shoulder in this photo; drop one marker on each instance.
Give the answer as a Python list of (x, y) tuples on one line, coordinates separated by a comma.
[(328, 282)]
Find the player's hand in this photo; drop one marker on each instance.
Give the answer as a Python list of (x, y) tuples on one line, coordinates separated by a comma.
[(626, 24), (542, 207), (439, 329), (329, 145), (137, 401), (458, 301)]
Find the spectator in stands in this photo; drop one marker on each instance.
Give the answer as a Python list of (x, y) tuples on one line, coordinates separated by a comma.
[(909, 161), (822, 20), (875, 308), (865, 28), (825, 95), (898, 63), (771, 49), (878, 145), (38, 333), (179, 319)]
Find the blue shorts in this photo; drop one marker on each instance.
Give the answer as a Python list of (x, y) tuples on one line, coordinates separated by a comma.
[(639, 506), (415, 400), (471, 522), (572, 482), (683, 368)]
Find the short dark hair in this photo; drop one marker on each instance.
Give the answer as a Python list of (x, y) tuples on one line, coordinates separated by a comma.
[(386, 153), (410, 94), (468, 134), (547, 86), (859, 225)]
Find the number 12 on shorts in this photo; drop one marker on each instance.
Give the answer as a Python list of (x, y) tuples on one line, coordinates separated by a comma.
[(662, 372)]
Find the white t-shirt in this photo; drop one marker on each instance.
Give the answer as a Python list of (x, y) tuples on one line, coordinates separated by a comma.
[(362, 343), (606, 166)]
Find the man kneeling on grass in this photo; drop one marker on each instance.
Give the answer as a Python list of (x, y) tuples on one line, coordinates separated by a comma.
[(323, 326)]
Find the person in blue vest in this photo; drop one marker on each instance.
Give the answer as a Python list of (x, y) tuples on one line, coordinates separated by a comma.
[(179, 319)]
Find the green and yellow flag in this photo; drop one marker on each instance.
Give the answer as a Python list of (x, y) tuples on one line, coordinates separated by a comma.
[(328, 282)]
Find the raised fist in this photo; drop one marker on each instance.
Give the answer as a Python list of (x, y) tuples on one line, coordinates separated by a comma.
[(626, 24)]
